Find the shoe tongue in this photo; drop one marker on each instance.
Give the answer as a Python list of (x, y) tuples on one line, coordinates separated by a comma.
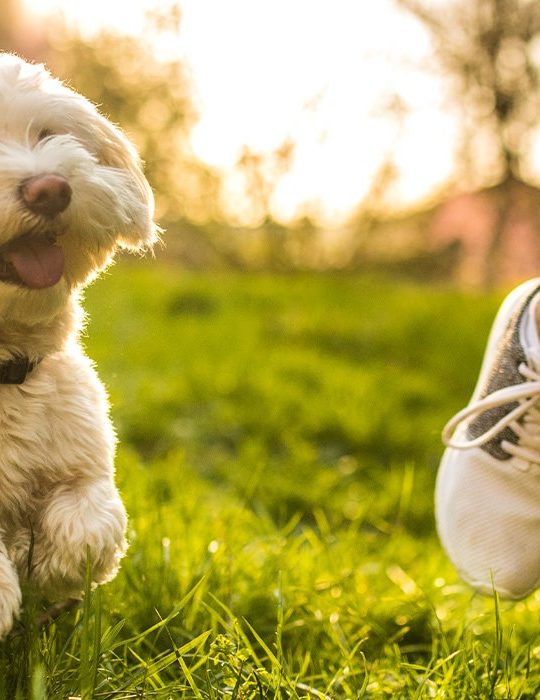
[(39, 263)]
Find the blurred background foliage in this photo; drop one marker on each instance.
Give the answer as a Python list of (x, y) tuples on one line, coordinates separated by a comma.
[(486, 53)]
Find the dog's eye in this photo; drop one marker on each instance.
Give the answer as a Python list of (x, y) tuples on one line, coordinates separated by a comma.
[(44, 134)]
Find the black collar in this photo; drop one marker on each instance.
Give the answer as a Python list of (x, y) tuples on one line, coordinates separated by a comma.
[(16, 370)]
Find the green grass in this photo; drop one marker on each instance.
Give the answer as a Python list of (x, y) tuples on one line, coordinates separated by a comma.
[(279, 444)]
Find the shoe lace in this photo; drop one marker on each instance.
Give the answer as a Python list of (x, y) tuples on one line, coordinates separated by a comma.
[(526, 394)]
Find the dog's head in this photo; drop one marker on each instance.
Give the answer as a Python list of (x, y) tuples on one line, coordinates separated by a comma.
[(71, 190)]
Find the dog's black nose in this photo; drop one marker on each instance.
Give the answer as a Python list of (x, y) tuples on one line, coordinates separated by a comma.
[(46, 194)]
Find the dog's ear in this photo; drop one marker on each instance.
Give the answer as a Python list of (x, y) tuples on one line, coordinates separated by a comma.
[(116, 151)]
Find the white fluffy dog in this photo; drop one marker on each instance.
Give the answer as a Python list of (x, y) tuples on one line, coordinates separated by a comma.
[(71, 192)]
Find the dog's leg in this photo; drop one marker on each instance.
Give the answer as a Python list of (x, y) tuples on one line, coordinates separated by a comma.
[(10, 592), (79, 519)]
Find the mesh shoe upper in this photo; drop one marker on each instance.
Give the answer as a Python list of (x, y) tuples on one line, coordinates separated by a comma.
[(504, 372)]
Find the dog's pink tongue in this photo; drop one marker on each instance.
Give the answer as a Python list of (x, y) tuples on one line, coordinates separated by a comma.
[(38, 263)]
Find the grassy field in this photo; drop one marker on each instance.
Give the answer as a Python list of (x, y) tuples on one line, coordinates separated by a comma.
[(279, 444)]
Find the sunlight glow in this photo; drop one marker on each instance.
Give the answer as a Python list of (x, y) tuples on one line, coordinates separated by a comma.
[(123, 15), (316, 73)]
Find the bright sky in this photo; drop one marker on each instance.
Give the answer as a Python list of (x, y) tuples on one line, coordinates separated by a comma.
[(318, 72)]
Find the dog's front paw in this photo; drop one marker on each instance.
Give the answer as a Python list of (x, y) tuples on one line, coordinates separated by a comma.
[(62, 575), (89, 521)]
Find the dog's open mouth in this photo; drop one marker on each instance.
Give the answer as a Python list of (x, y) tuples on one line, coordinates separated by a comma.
[(35, 262)]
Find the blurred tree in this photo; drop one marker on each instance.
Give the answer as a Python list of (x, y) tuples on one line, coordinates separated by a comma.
[(491, 51), (377, 201), (260, 174), (152, 101)]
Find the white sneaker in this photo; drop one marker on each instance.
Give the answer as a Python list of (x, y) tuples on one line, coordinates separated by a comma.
[(487, 497)]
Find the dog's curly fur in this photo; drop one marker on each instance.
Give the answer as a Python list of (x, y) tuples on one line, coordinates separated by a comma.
[(58, 498)]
